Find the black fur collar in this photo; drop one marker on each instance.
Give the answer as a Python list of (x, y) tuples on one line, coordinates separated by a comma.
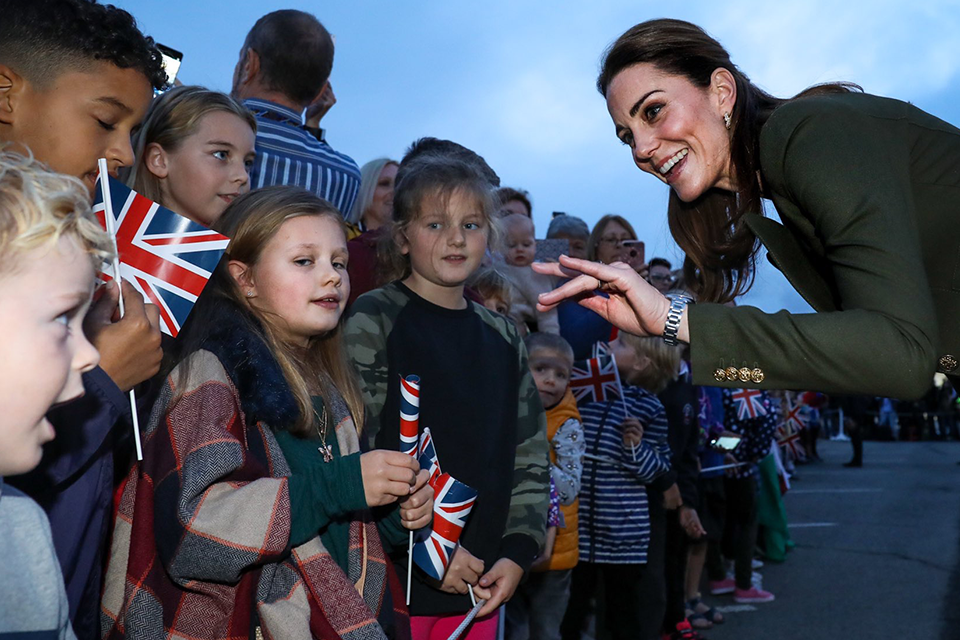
[(233, 336)]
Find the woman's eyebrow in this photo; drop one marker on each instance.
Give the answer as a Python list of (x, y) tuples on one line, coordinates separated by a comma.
[(636, 105)]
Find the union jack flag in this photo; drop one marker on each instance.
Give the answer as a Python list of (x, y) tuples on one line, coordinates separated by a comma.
[(749, 403), (409, 415), (596, 380), (167, 257), (427, 457), (793, 416), (453, 502), (789, 440)]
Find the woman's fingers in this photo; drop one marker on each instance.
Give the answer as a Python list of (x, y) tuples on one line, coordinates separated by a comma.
[(579, 285)]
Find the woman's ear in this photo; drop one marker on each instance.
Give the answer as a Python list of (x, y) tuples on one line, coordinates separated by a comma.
[(724, 88), (156, 161), (241, 274)]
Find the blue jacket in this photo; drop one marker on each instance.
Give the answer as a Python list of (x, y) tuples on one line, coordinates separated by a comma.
[(74, 485)]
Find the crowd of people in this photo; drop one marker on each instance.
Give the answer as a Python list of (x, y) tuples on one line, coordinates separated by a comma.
[(272, 499)]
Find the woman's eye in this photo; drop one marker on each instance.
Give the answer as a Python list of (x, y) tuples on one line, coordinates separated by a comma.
[(627, 139), (652, 111)]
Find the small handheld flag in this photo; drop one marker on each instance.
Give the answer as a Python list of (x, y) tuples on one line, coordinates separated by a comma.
[(596, 380), (409, 414), (452, 504), (748, 403), (788, 438), (167, 257), (427, 457)]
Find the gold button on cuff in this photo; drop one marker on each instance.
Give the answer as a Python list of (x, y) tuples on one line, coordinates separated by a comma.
[(720, 375), (947, 364), (757, 375), (744, 374), (732, 374)]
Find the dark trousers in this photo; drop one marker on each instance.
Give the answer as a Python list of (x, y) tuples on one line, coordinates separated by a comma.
[(675, 571), (740, 532), (653, 597), (620, 613), (741, 526)]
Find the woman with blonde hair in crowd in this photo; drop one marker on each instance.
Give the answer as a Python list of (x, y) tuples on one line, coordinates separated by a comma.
[(371, 213)]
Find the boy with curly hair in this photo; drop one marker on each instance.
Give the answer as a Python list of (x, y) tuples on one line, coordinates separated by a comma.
[(76, 78), (50, 244)]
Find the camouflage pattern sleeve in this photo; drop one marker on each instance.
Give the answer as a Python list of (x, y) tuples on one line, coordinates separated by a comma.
[(368, 324), (530, 497)]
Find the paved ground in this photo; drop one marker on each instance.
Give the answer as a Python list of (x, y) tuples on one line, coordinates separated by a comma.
[(876, 550)]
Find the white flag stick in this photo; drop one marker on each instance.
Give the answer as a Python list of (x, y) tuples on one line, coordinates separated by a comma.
[(112, 230), (466, 621), (626, 413), (409, 566), (724, 466), (473, 598)]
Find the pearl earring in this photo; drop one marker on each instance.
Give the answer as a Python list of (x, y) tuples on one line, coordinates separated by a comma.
[(249, 294), (727, 120)]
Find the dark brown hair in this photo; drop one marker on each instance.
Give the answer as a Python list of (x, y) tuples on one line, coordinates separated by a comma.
[(720, 249), (506, 194)]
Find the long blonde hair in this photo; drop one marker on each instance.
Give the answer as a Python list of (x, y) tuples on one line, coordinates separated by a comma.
[(173, 117), (369, 177), (251, 221)]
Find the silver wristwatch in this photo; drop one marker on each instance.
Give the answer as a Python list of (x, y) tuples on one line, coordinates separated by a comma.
[(678, 302)]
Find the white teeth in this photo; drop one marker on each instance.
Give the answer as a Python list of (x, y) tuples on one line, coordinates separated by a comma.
[(669, 164)]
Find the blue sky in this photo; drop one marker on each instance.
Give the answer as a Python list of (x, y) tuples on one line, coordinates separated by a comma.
[(515, 81)]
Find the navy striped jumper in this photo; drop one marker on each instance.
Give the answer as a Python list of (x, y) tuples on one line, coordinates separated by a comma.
[(614, 520), (289, 154)]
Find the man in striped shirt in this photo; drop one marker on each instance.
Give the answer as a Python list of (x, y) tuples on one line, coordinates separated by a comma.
[(284, 67)]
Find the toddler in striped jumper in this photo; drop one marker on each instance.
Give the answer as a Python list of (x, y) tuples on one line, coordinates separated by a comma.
[(627, 448)]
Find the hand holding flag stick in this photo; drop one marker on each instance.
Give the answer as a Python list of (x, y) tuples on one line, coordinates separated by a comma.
[(165, 256)]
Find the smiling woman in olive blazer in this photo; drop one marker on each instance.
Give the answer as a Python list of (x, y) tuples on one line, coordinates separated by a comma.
[(868, 192)]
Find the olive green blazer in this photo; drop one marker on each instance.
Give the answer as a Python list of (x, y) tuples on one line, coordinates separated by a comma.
[(868, 192)]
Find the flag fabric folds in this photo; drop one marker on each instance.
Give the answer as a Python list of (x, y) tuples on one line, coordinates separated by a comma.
[(167, 257), (596, 380), (452, 504)]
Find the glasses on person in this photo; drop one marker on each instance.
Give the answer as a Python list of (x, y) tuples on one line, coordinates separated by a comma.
[(615, 241), (667, 278)]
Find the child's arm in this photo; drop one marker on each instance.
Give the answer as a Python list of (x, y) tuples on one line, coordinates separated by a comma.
[(569, 446), (544, 560)]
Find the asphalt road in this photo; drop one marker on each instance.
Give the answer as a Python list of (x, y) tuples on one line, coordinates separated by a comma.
[(876, 550)]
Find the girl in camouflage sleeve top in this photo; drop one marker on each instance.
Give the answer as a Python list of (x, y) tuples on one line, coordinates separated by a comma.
[(476, 393)]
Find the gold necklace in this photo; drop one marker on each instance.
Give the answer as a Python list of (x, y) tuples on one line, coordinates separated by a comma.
[(324, 448)]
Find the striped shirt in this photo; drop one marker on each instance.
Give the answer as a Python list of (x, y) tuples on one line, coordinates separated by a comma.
[(614, 520), (289, 154)]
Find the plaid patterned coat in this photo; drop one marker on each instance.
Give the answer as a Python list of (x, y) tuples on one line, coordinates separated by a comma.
[(201, 540)]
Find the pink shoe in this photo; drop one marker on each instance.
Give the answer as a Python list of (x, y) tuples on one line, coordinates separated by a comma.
[(719, 587), (752, 594)]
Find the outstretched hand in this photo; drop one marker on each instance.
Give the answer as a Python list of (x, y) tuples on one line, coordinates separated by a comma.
[(632, 304)]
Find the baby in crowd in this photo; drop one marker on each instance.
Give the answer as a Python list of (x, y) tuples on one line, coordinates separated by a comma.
[(50, 248), (537, 608), (519, 251)]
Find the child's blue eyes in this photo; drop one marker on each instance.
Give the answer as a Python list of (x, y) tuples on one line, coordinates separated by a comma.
[(221, 155)]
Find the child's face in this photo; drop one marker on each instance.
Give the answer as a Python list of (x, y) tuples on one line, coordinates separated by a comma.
[(301, 277), (497, 304), (521, 245), (80, 117), (208, 170), (446, 246), (578, 245), (42, 347), (629, 362), (551, 372)]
